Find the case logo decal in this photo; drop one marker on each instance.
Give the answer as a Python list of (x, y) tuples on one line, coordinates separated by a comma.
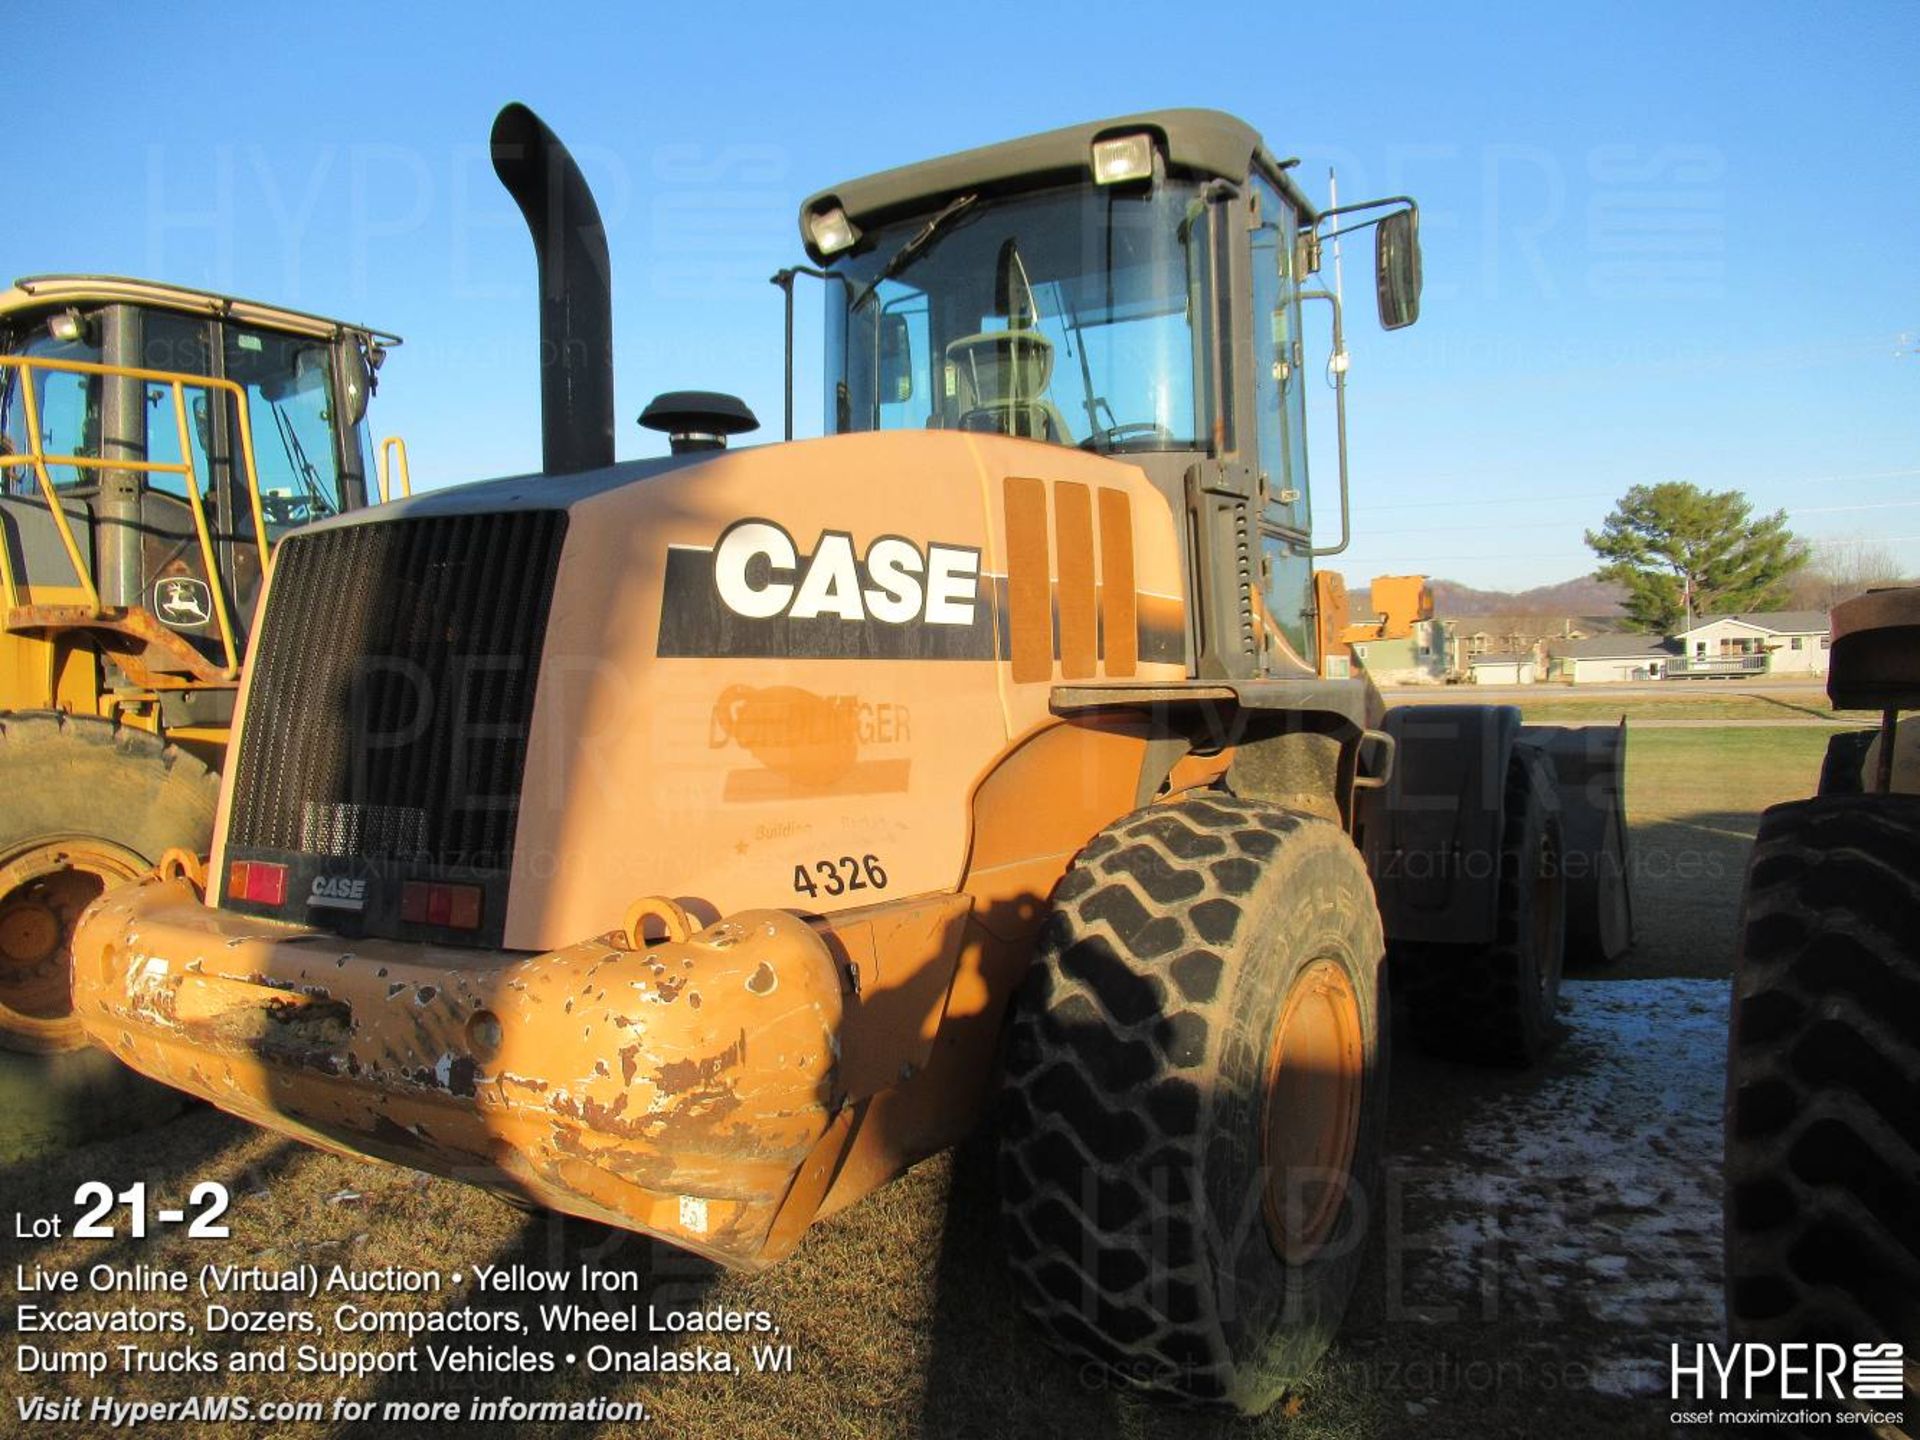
[(757, 593)]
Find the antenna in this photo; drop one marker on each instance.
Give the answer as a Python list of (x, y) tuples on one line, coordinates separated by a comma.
[(1337, 362)]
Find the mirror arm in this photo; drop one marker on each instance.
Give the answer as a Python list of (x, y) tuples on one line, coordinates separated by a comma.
[(784, 279), (1339, 362), (1325, 215)]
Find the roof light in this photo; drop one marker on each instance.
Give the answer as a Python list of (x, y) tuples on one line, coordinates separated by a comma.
[(67, 326), (1123, 157), (832, 231)]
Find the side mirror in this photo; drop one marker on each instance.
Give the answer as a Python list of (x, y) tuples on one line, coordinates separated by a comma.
[(896, 359), (356, 379), (1396, 269)]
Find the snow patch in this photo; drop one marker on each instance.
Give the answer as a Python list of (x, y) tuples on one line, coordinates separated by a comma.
[(1592, 1189)]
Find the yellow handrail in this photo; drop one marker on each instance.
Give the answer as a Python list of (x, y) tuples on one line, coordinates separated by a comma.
[(398, 446), (206, 536), (37, 456)]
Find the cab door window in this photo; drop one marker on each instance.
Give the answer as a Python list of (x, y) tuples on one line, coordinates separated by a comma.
[(179, 344), (1279, 379), (289, 389), (69, 414)]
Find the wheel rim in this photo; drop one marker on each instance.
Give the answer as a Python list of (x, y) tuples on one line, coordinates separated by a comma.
[(43, 890), (1315, 1071)]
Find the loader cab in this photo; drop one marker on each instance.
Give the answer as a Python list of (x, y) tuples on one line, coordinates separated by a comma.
[(1137, 289), (156, 441)]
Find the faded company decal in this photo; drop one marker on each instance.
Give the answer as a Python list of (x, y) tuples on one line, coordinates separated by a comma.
[(806, 744), (756, 593)]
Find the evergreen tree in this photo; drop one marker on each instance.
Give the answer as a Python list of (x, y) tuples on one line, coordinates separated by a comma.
[(1673, 545)]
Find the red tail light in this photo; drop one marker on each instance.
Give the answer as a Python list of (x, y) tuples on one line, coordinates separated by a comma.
[(257, 881), (455, 906)]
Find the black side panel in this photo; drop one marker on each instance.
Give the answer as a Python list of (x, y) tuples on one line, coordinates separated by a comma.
[(1432, 835), (393, 688)]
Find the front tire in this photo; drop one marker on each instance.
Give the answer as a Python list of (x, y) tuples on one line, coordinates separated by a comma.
[(1823, 1080), (87, 805), (1193, 1100)]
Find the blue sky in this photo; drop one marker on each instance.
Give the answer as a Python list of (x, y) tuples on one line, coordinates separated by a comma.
[(1676, 241)]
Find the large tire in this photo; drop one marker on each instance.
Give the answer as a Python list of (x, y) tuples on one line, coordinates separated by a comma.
[(1496, 1004), (87, 804), (1210, 971), (1823, 1081)]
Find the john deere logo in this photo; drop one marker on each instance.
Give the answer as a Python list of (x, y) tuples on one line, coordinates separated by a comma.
[(183, 602)]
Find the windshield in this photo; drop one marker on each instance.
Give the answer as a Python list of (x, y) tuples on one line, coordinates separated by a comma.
[(289, 385), (1069, 316), (288, 381)]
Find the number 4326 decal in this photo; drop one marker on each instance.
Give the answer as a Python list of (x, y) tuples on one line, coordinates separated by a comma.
[(839, 877)]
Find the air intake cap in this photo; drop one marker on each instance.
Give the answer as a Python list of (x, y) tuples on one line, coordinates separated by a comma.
[(698, 419)]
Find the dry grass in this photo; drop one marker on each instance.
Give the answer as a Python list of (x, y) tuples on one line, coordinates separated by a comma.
[(900, 1315), (1561, 704), (1694, 799), (1799, 705)]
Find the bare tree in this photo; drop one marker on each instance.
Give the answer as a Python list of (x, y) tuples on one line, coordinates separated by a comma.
[(1841, 569)]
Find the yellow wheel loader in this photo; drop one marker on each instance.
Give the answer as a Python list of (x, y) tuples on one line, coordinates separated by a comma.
[(693, 844), (155, 442)]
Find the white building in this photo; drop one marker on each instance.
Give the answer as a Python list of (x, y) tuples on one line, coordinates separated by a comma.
[(1417, 658), (1501, 669), (1602, 658), (1776, 642)]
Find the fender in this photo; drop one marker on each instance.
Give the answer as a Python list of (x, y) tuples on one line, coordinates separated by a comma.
[(1432, 834)]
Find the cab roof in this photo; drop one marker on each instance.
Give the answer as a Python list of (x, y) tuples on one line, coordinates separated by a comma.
[(1194, 142), (40, 292)]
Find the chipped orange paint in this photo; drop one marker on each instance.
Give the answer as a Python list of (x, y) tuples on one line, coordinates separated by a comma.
[(597, 1080)]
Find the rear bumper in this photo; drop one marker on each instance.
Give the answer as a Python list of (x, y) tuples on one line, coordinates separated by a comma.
[(676, 1090)]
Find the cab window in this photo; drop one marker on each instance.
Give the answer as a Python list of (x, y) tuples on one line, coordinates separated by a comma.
[(69, 412), (289, 389)]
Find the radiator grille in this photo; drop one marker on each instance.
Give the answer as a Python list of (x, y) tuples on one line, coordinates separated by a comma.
[(392, 689)]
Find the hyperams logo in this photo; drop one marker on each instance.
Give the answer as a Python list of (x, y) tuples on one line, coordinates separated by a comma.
[(1842, 1382), (755, 593)]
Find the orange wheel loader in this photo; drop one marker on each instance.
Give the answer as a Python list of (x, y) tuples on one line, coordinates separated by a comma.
[(692, 844)]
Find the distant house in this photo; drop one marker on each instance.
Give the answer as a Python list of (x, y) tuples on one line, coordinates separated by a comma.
[(1775, 642), (1600, 658), (1504, 668), (1418, 657), (1779, 642), (1468, 637), (1397, 640)]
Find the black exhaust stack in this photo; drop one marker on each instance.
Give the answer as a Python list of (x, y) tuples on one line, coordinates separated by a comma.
[(576, 291)]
